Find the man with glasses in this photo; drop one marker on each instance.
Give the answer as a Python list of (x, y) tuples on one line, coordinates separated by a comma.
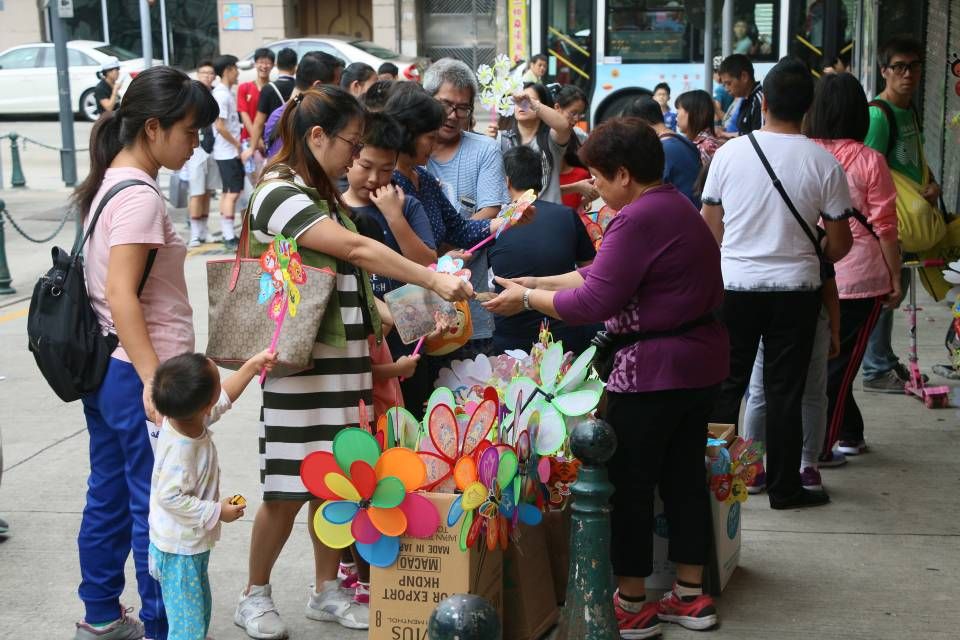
[(895, 131), (248, 97), (470, 170)]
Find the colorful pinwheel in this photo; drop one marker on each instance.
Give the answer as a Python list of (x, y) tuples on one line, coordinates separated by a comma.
[(497, 86), (369, 499), (448, 443), (481, 505), (734, 469), (282, 272), (453, 266)]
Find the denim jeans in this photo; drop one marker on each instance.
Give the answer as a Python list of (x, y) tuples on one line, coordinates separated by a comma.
[(879, 357)]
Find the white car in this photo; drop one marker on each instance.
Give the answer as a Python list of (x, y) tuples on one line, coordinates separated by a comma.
[(346, 48), (33, 66)]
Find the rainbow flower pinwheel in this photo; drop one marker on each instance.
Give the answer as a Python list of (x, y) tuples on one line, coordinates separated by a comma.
[(558, 396), (369, 499), (481, 505)]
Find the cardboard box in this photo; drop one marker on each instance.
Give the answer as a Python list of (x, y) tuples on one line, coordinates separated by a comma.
[(529, 604), (724, 555), (426, 572), (556, 527)]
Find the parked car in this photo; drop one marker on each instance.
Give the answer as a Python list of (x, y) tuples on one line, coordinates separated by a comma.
[(28, 76), (346, 48)]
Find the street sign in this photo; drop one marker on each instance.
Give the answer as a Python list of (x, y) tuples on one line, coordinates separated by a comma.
[(65, 8)]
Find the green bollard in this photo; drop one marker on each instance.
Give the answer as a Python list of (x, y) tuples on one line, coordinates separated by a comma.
[(16, 173), (464, 617), (588, 613), (5, 288)]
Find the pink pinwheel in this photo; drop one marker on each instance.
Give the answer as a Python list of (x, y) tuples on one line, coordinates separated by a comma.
[(447, 444)]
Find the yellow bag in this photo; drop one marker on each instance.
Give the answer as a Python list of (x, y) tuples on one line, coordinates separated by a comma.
[(920, 224), (948, 250)]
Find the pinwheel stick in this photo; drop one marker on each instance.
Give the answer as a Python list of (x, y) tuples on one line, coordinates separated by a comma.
[(416, 350), (481, 243), (276, 337), (526, 404)]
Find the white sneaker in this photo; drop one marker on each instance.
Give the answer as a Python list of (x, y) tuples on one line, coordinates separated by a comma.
[(257, 615), (194, 243), (332, 605)]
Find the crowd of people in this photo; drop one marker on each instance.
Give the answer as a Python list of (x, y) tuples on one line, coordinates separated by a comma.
[(759, 263)]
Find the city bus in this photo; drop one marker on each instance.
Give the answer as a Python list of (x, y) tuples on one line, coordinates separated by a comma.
[(617, 50)]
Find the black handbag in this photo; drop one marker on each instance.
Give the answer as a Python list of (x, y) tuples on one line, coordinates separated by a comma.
[(64, 333)]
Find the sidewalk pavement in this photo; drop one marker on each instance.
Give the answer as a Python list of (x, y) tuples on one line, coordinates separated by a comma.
[(882, 561)]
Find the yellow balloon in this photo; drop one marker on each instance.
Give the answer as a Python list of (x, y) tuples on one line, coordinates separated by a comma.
[(335, 536), (342, 487), (473, 496)]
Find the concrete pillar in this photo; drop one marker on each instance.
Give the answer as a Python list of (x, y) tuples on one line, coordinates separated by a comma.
[(385, 32), (270, 22)]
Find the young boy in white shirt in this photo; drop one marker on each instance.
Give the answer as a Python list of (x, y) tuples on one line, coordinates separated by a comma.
[(185, 505)]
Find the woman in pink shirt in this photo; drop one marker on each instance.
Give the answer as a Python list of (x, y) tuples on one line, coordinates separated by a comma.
[(868, 277), (135, 281)]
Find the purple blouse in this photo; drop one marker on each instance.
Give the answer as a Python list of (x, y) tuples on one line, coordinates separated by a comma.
[(657, 268)]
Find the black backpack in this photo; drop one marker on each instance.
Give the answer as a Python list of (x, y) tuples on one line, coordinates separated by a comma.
[(64, 334), (206, 139)]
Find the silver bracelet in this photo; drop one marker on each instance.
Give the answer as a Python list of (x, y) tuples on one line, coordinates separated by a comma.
[(526, 300)]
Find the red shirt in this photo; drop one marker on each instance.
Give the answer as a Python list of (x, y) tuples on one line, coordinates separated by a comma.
[(248, 95), (574, 174)]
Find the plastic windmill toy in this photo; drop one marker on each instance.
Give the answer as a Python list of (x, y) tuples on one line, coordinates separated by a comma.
[(497, 86), (282, 272)]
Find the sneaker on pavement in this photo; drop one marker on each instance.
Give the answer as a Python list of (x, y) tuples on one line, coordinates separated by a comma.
[(636, 626), (851, 447), (126, 628), (194, 243), (801, 500), (758, 484), (888, 382), (903, 372), (4, 529), (231, 244), (833, 459), (331, 604), (698, 614), (810, 479), (258, 616)]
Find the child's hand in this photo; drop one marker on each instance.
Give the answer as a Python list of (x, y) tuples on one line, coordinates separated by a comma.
[(389, 200), (266, 359), (407, 365), (230, 512)]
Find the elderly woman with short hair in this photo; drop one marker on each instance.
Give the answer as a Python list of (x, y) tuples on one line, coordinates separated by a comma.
[(656, 283)]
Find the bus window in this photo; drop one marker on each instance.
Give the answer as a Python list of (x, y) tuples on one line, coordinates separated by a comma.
[(569, 42), (755, 26), (809, 31), (648, 31)]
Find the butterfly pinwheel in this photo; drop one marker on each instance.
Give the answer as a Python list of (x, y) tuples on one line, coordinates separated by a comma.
[(732, 471), (448, 442), (484, 483), (369, 496), (453, 266)]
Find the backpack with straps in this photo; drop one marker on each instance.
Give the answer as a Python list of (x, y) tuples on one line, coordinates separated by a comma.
[(64, 333)]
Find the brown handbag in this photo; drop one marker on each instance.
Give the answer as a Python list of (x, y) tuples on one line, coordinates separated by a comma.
[(239, 326)]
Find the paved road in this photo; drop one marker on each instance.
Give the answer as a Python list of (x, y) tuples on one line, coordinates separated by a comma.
[(882, 561)]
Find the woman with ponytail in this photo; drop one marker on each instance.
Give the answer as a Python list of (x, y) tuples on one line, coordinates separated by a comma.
[(296, 197), (135, 281)]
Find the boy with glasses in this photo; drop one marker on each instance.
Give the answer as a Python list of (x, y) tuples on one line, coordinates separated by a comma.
[(896, 132)]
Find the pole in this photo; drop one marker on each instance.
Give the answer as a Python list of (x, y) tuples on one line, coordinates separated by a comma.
[(708, 47), (5, 280), (106, 21), (727, 33), (146, 35), (163, 31), (590, 587), (68, 154)]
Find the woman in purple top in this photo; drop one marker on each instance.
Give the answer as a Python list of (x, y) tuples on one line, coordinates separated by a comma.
[(656, 275)]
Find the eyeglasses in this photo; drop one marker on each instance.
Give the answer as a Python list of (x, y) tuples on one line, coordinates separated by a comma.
[(901, 68), (462, 110), (355, 147)]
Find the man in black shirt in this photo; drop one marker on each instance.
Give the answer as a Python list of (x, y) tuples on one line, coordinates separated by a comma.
[(274, 94), (736, 74), (553, 243)]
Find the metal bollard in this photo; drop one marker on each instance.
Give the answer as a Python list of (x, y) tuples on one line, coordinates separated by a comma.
[(588, 613), (16, 173), (5, 288), (464, 617)]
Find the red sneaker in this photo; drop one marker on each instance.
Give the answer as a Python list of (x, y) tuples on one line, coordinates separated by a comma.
[(699, 614), (635, 626)]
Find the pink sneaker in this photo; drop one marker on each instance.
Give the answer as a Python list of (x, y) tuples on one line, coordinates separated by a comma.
[(636, 626), (698, 614)]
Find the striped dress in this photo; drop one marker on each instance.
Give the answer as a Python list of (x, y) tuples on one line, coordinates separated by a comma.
[(303, 412)]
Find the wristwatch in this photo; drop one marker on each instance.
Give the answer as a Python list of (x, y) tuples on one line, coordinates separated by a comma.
[(526, 300)]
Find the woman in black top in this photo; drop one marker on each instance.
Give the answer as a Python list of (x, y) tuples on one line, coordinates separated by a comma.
[(106, 90)]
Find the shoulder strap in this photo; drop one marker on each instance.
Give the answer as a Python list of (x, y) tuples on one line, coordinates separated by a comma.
[(684, 140), (146, 271), (114, 190), (891, 122), (279, 95), (783, 194)]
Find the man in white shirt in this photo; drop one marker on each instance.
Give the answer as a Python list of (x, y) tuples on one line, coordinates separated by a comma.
[(771, 266), (226, 145)]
